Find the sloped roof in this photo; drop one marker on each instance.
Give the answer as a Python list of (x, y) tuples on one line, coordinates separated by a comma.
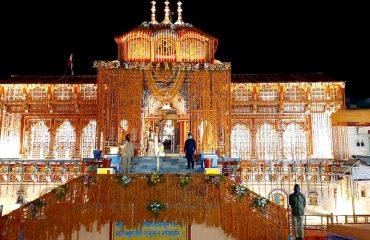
[(351, 116), (279, 77), (92, 79)]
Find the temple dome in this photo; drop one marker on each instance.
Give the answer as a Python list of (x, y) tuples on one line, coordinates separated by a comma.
[(166, 42)]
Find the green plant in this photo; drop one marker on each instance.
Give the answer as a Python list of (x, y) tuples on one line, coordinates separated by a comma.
[(60, 191), (260, 203), (156, 207), (183, 180), (88, 180), (34, 207), (215, 180), (239, 190), (155, 178), (124, 180)]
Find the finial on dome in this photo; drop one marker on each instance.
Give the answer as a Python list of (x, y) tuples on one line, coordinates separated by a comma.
[(166, 13), (179, 14), (154, 21)]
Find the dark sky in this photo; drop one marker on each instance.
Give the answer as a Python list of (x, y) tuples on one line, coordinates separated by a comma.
[(36, 38)]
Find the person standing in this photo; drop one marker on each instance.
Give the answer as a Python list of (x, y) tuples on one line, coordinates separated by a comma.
[(150, 151), (127, 152), (189, 149), (297, 201)]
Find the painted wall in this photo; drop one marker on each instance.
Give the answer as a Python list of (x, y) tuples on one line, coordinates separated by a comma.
[(358, 140)]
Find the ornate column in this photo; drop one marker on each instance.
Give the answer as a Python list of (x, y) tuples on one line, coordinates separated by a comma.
[(253, 133), (183, 135), (52, 132), (77, 152)]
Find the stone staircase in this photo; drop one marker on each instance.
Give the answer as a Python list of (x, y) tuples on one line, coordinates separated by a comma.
[(171, 164)]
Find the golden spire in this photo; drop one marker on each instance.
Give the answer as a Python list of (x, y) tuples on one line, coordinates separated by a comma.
[(179, 14), (166, 13), (154, 21)]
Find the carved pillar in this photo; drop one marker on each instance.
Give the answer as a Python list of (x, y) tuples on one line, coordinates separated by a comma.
[(53, 133), (182, 135), (21, 137), (280, 132), (253, 133), (77, 152), (27, 143)]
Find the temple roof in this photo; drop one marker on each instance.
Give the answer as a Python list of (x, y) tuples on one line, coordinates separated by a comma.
[(166, 41), (235, 78), (15, 79), (280, 77), (351, 117)]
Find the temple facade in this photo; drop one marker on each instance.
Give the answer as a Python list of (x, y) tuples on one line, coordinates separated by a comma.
[(165, 83)]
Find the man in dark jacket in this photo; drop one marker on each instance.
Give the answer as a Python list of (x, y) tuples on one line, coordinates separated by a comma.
[(297, 201), (189, 149)]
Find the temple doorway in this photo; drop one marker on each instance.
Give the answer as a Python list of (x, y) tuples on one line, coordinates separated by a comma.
[(169, 133), (166, 128)]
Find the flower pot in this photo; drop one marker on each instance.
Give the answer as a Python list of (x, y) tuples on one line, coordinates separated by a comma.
[(208, 162), (106, 162)]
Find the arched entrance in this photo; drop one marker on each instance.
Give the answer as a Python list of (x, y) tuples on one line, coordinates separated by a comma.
[(166, 125)]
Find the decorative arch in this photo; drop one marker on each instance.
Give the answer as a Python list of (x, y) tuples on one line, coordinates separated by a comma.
[(241, 141), (88, 141), (279, 196), (165, 45), (266, 141), (65, 141), (10, 127), (39, 140)]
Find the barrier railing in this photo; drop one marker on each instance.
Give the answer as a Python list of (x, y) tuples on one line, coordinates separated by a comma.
[(97, 199)]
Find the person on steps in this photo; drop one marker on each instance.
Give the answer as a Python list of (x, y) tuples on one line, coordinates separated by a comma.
[(189, 149)]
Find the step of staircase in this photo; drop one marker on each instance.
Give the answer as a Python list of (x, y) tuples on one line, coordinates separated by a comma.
[(166, 165)]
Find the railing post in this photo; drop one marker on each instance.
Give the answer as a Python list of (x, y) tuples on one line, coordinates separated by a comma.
[(332, 220)]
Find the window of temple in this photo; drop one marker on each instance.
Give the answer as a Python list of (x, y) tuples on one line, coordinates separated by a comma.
[(334, 93), (266, 142), (10, 134), (65, 141), (295, 94), (88, 140), (312, 198), (318, 94), (295, 143), (38, 94), (268, 93), (165, 48), (13, 93), (88, 92), (63, 92), (139, 49), (241, 92), (240, 142), (193, 50), (39, 141)]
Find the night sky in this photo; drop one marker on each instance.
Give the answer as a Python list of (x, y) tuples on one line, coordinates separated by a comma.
[(36, 39)]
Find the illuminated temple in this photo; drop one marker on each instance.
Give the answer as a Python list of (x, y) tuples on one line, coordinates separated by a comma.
[(166, 78)]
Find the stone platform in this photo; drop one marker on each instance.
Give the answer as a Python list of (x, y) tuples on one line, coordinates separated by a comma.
[(168, 164)]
